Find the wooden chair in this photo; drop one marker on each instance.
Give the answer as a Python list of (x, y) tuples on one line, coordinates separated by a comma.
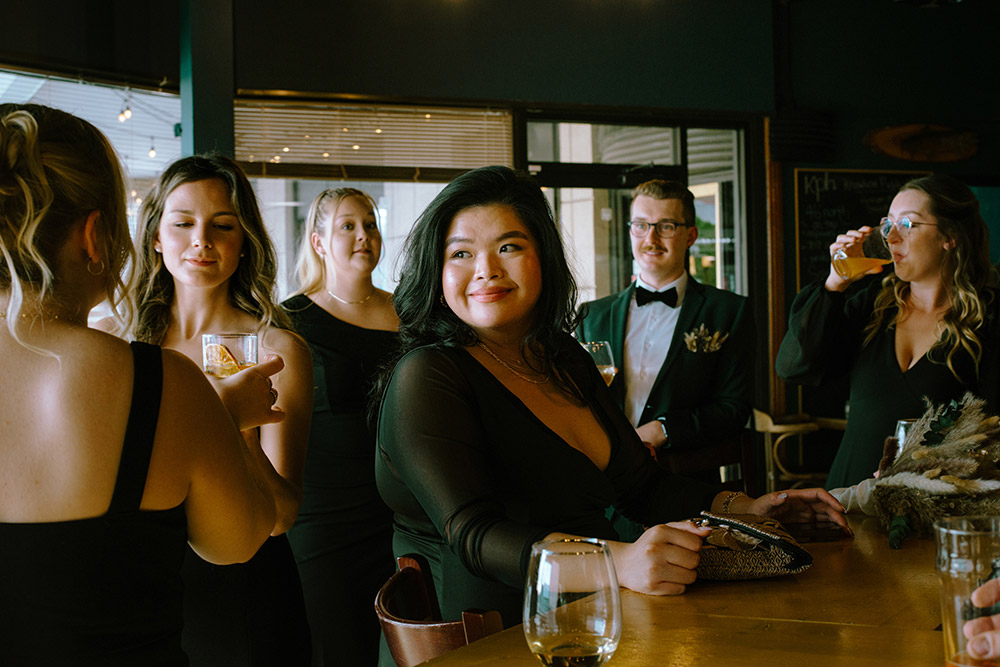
[(408, 612), (707, 459), (776, 431)]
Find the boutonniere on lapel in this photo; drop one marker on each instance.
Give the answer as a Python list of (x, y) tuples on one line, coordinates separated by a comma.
[(700, 340)]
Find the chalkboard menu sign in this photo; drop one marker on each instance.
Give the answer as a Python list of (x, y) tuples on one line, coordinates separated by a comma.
[(831, 201)]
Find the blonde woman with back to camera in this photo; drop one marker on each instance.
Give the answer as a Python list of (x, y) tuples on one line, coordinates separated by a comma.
[(343, 537), (112, 456)]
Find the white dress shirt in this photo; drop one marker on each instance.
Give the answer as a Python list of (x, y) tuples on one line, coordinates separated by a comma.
[(648, 333)]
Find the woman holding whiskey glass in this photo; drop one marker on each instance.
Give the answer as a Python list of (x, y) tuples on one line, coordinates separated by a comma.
[(206, 265), (112, 455), (927, 329), (496, 430)]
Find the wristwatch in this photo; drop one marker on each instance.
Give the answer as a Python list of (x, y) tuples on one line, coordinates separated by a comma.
[(663, 427)]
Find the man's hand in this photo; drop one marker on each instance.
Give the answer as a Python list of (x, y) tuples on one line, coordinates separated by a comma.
[(652, 434)]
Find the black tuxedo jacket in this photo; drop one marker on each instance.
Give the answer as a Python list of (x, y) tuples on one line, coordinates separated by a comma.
[(704, 390)]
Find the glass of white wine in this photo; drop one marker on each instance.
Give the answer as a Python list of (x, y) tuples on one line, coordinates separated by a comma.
[(572, 606), (600, 351)]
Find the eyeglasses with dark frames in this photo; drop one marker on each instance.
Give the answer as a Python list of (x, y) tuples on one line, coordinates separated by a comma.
[(665, 229)]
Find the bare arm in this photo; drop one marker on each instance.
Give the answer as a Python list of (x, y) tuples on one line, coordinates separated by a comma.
[(229, 506), (285, 443)]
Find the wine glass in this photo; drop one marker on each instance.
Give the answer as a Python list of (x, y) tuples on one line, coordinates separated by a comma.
[(600, 351), (572, 607)]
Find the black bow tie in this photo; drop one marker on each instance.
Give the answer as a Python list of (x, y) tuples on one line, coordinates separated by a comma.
[(644, 296)]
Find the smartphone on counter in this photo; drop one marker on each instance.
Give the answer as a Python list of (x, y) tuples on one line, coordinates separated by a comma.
[(815, 531)]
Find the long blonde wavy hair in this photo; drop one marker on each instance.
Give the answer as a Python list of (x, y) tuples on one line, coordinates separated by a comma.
[(309, 267), (966, 271), (251, 288), (54, 170)]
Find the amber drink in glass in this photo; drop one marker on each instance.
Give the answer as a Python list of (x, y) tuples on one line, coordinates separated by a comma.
[(225, 354)]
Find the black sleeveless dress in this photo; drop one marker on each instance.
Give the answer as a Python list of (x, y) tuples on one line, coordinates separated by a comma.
[(248, 614), (342, 538), (107, 590)]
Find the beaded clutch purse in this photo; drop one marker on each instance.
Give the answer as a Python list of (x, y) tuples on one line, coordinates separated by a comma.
[(748, 546)]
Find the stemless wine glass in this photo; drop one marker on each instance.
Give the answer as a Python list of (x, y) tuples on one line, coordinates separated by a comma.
[(600, 351), (572, 607)]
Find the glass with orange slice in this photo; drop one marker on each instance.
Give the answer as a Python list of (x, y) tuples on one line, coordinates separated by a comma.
[(225, 354)]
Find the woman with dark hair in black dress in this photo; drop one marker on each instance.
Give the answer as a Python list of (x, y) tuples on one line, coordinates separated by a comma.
[(496, 429)]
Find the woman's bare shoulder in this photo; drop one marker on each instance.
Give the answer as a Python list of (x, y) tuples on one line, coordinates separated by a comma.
[(282, 341)]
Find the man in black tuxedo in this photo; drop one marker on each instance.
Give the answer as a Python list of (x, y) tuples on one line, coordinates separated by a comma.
[(684, 350)]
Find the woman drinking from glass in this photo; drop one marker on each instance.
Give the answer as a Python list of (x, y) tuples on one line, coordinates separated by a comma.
[(496, 430), (927, 331)]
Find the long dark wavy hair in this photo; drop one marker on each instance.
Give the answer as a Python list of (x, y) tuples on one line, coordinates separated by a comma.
[(423, 317), (966, 271), (251, 288)]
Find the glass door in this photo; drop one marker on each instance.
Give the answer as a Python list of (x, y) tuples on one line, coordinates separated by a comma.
[(589, 169)]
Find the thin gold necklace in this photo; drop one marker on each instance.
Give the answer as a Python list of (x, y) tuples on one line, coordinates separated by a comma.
[(352, 303), (505, 364)]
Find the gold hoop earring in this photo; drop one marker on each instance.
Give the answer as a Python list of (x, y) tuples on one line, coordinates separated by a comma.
[(93, 272), (443, 302)]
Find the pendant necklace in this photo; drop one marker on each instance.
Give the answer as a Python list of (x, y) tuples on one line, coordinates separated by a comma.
[(508, 366), (352, 303)]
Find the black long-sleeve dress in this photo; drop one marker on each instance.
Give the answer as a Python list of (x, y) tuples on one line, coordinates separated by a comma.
[(474, 477), (825, 340), (342, 538)]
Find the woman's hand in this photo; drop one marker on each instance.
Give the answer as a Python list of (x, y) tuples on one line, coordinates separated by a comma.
[(801, 505), (984, 633), (852, 243), (795, 505), (249, 396), (662, 561)]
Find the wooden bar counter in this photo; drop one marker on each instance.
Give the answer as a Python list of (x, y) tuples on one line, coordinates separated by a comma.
[(861, 603)]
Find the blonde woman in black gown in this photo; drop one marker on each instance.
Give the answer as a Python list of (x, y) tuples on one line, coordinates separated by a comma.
[(113, 456), (206, 265), (342, 538)]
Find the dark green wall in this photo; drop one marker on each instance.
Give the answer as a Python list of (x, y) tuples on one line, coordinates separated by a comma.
[(640, 53), (131, 41), (873, 63)]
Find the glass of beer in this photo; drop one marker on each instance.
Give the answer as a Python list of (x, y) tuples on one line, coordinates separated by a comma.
[(873, 253), (223, 354), (600, 352), (968, 555), (572, 606)]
